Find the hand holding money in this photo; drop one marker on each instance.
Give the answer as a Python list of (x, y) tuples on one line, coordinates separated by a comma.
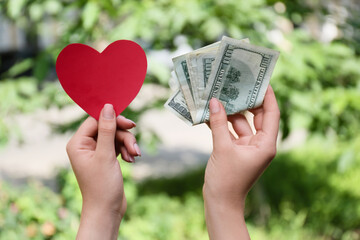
[(233, 71), (238, 159)]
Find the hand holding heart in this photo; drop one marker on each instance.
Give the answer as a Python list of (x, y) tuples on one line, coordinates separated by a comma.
[(92, 152), (94, 80)]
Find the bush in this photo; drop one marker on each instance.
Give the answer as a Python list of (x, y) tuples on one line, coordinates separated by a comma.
[(308, 193), (313, 188), (35, 212)]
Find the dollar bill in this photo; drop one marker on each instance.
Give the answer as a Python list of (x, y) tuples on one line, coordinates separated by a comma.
[(173, 82), (239, 77), (200, 63), (182, 73), (199, 66), (187, 74), (177, 105)]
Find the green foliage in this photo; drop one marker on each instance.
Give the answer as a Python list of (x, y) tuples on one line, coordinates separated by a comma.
[(308, 193), (316, 84), (21, 96), (19, 68), (34, 212), (316, 197), (317, 190), (163, 217), (90, 15), (150, 215), (320, 90)]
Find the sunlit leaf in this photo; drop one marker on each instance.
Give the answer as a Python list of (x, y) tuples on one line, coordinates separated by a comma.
[(20, 67), (90, 14), (36, 11), (52, 6), (15, 7)]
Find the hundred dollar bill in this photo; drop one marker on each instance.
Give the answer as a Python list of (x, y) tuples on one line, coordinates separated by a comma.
[(200, 63), (187, 75), (173, 82), (195, 61), (239, 78), (182, 73), (177, 105)]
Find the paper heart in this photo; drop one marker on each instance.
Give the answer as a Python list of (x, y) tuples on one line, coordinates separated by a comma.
[(92, 79)]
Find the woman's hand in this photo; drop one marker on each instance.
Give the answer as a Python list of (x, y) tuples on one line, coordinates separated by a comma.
[(236, 163), (92, 152)]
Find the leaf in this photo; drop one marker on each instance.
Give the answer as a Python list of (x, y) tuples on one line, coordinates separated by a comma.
[(4, 133), (36, 11), (20, 67), (41, 66), (15, 8), (126, 30), (213, 28), (346, 161), (90, 15), (53, 6)]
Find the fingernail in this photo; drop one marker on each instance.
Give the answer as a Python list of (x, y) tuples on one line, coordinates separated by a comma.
[(125, 156), (130, 121), (214, 105), (137, 149), (108, 111), (133, 123), (126, 119), (131, 158)]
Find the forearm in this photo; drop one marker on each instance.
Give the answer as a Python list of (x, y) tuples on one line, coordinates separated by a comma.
[(225, 221), (98, 224)]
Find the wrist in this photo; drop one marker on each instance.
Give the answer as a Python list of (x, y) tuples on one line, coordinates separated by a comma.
[(224, 217), (98, 223), (224, 220), (221, 198)]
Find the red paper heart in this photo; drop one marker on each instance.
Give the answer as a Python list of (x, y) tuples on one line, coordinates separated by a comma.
[(92, 79)]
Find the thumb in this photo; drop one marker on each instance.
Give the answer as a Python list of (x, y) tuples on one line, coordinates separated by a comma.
[(219, 124), (106, 131)]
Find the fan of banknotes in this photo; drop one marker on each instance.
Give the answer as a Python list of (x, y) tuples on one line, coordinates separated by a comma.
[(231, 70)]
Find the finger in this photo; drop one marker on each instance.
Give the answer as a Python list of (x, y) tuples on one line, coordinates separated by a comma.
[(219, 124), (129, 141), (84, 136), (117, 147), (88, 128), (106, 131), (258, 117), (124, 123), (240, 125), (271, 114), (232, 136), (125, 155)]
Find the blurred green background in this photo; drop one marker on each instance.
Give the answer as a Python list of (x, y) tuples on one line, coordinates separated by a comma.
[(310, 191)]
